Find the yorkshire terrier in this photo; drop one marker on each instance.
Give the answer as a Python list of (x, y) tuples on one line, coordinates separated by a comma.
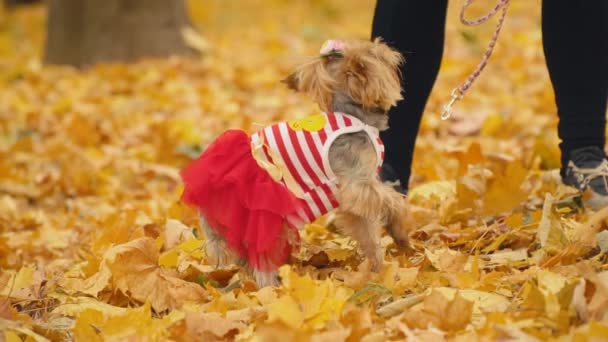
[(255, 192)]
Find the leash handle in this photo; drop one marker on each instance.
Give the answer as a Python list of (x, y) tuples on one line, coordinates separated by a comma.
[(458, 93)]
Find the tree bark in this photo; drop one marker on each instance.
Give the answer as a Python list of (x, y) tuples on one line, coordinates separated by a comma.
[(13, 3), (84, 32)]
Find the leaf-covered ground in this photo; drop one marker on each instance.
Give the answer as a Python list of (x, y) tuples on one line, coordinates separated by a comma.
[(95, 245)]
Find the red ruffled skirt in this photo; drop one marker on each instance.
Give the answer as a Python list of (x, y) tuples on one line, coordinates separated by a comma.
[(241, 202)]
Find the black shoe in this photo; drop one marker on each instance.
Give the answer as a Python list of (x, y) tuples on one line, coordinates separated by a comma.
[(587, 170), (389, 175)]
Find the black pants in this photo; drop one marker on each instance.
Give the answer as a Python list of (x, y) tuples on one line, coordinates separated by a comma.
[(575, 42)]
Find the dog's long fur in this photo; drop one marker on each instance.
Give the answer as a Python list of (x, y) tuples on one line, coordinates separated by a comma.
[(365, 83)]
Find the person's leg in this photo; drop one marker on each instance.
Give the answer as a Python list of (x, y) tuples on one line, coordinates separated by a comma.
[(416, 28), (575, 42)]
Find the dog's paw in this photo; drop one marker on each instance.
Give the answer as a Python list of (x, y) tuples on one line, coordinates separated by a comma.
[(402, 242), (264, 279), (218, 255), (376, 266), (399, 234), (376, 261), (399, 228)]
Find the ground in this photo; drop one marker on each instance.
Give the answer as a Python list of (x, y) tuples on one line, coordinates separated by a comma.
[(95, 244)]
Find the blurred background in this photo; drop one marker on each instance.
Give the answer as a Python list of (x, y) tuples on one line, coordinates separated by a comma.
[(63, 62)]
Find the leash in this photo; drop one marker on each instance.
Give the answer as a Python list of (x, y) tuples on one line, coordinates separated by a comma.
[(459, 92)]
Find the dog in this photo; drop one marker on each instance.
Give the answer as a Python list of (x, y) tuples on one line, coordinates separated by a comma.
[(254, 192)]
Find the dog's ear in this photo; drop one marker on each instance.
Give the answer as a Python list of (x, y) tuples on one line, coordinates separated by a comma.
[(291, 81), (313, 78), (371, 74)]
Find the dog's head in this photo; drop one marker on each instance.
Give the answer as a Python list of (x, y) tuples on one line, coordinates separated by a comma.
[(366, 71)]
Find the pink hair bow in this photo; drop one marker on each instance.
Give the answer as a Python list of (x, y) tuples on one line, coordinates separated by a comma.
[(332, 48)]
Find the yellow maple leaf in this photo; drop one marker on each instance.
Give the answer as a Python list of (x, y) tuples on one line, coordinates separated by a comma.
[(10, 336), (396, 278), (94, 325), (449, 315), (176, 232), (332, 306), (169, 258), (446, 259), (86, 323), (192, 246), (286, 310), (133, 269), (437, 190), (339, 254), (492, 124), (505, 191), (318, 301), (266, 295), (472, 156), (23, 278), (210, 326), (308, 293), (534, 303), (74, 306), (550, 233)]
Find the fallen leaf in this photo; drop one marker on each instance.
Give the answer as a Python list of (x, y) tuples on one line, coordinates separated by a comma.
[(550, 232), (211, 325), (505, 191), (286, 310), (338, 335), (93, 325), (602, 240), (73, 306), (176, 233), (133, 269), (448, 315), (447, 259), (483, 302)]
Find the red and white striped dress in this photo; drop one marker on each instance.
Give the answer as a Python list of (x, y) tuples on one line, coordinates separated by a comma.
[(248, 187), (303, 147)]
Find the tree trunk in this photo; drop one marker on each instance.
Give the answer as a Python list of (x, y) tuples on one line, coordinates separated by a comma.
[(12, 3), (84, 32)]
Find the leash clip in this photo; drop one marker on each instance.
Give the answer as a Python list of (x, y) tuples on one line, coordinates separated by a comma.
[(447, 109)]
